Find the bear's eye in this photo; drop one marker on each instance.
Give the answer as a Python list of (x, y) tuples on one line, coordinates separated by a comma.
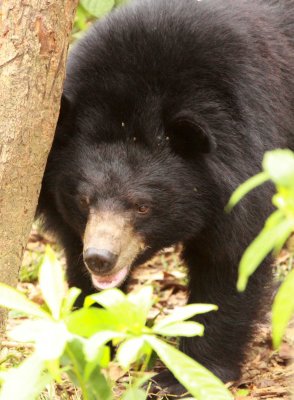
[(142, 209), (84, 202)]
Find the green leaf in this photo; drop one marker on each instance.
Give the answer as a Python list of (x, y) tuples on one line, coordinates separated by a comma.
[(200, 382), (283, 308), (98, 8), (11, 298), (97, 386), (51, 344), (74, 358), (52, 283), (92, 345), (81, 18), (91, 380), (134, 394), (245, 188), (120, 2), (242, 392), (87, 321), (102, 358), (50, 337), (26, 381), (283, 236), (128, 352), (53, 367), (262, 245), (183, 313), (279, 165), (106, 298), (274, 219), (27, 331), (186, 329), (130, 312), (69, 300), (142, 299)]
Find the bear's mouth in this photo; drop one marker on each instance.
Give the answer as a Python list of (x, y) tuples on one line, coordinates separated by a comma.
[(110, 281)]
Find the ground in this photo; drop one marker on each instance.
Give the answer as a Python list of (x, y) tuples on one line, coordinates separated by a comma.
[(267, 374)]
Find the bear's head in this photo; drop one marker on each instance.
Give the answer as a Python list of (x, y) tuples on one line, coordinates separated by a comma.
[(128, 196)]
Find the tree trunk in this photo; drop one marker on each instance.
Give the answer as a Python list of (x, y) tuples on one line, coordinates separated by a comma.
[(33, 47)]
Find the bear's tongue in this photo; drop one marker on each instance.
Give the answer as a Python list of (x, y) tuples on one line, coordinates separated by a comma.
[(110, 281)]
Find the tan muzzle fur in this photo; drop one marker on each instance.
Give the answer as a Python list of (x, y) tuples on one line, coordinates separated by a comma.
[(113, 232)]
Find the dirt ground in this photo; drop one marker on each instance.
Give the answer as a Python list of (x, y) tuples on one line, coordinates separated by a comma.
[(267, 374)]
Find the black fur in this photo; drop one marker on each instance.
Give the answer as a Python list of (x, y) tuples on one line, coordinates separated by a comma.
[(174, 103)]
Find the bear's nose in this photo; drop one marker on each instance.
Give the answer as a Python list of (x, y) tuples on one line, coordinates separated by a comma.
[(99, 261)]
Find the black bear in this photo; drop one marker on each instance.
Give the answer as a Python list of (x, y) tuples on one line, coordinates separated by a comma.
[(167, 107)]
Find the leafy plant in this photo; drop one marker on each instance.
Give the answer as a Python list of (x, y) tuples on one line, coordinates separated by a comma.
[(99, 8), (76, 342), (89, 10), (278, 166)]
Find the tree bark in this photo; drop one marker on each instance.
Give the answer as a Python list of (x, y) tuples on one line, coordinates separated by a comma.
[(33, 47)]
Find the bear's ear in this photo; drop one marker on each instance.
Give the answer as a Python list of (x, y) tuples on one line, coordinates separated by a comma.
[(189, 138)]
